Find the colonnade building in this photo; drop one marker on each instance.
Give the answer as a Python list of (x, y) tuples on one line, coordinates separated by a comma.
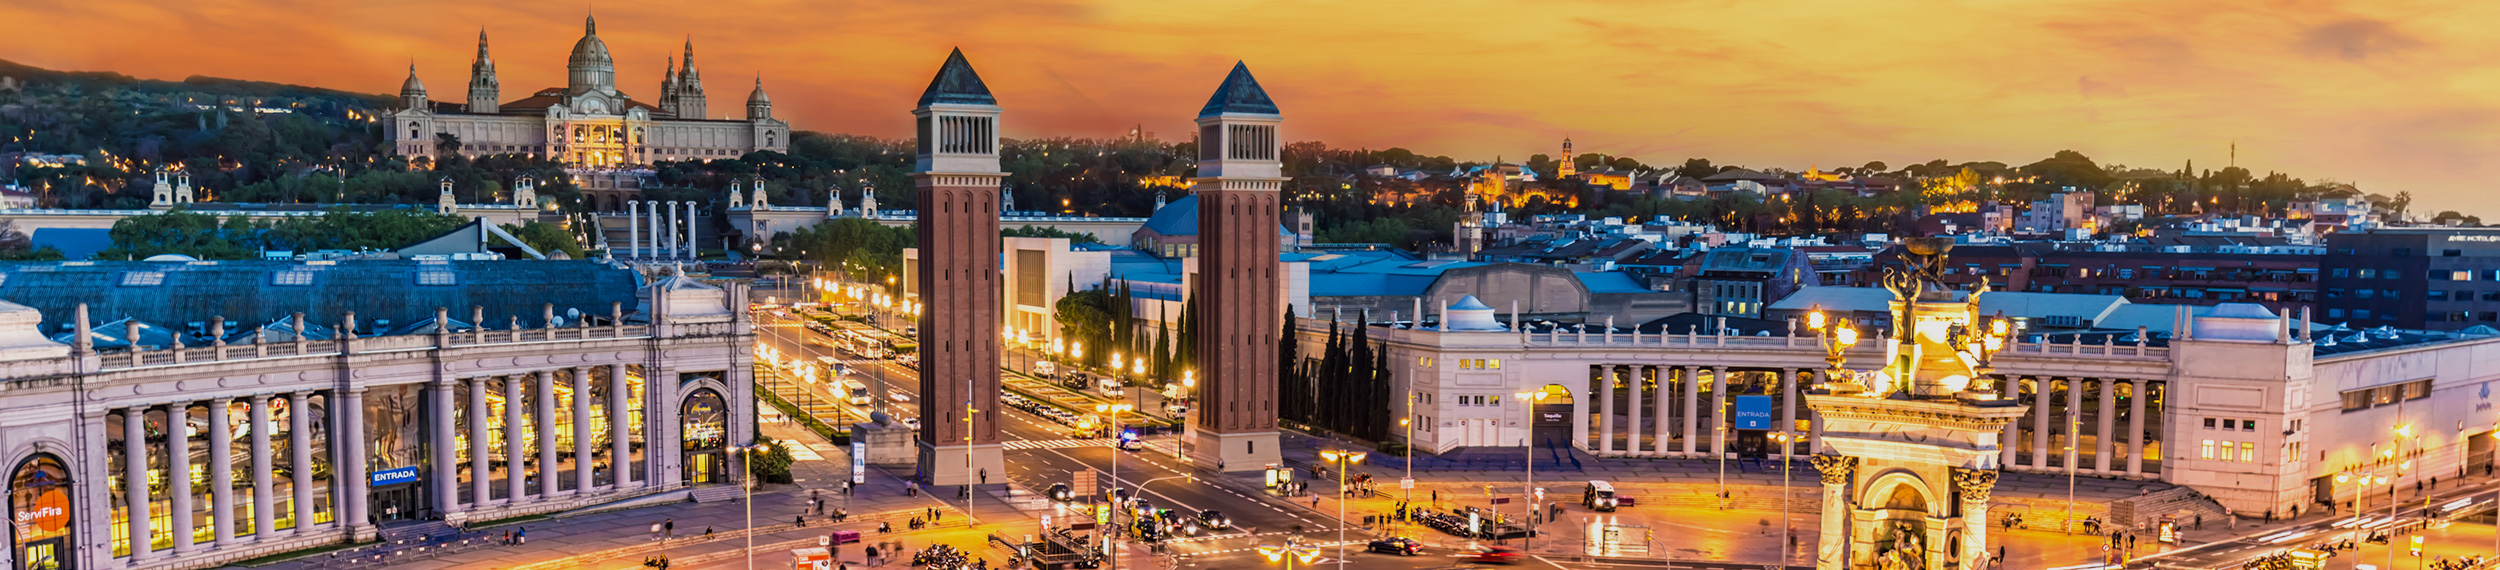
[(222, 411), (2258, 410)]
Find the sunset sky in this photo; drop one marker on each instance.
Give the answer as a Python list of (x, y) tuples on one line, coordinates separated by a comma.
[(2392, 95)]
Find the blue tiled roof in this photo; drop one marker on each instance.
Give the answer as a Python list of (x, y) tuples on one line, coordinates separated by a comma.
[(1610, 282), (1364, 284), (1178, 218), (252, 292)]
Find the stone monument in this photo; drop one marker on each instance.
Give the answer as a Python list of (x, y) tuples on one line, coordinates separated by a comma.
[(1907, 462)]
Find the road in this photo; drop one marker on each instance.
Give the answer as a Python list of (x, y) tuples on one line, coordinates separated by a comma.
[(1040, 452)]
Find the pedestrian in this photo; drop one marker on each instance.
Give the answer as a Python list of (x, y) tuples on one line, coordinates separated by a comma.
[(707, 532), (521, 536), (655, 531), (800, 521), (2200, 522), (507, 538), (2269, 516), (872, 556), (1314, 501), (2000, 552), (668, 528)]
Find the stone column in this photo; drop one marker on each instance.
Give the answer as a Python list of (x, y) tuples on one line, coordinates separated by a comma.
[(1692, 409), (1814, 420), (481, 467), (2072, 422), (264, 496), (178, 472), (2135, 427), (1580, 410), (691, 245), (353, 469), (1718, 411), (581, 430), (633, 237), (672, 237), (1664, 438), (2006, 440), (548, 473), (1632, 432), (651, 215), (299, 457), (1975, 485), (1831, 551), (1788, 409), (515, 466), (135, 482), (620, 457), (2040, 421), (2108, 420), (1605, 408), (444, 482), (221, 470), (660, 448)]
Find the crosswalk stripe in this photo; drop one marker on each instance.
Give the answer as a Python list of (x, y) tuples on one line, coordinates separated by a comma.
[(1055, 443)]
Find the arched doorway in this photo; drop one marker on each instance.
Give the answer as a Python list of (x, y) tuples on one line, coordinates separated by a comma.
[(1551, 428), (39, 506), (1901, 536), (704, 419)]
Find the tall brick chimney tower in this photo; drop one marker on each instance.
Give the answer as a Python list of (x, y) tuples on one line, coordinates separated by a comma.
[(955, 176), (1239, 178)]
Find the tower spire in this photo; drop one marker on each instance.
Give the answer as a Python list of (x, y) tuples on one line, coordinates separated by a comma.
[(590, 25)]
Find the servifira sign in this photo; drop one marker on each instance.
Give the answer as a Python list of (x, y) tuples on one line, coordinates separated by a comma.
[(394, 476), (1753, 412)]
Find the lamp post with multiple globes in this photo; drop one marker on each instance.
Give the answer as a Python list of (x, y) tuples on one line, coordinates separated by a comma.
[(1342, 460)]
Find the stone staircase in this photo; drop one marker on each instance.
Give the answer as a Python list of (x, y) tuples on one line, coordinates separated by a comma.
[(718, 493), (417, 531)]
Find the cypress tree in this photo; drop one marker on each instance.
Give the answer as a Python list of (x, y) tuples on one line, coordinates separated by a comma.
[(1358, 381), (1161, 365), (1288, 365), (1382, 392), (1185, 349), (1331, 367)]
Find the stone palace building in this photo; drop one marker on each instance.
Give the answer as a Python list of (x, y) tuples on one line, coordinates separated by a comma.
[(220, 410), (587, 123)]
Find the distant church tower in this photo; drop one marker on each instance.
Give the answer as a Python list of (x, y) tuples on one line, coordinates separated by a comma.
[(690, 87), (1568, 168), (760, 203), (163, 194), (1469, 235), (737, 197), (867, 200), (444, 202), (412, 91), (483, 90), (525, 193), (668, 87)]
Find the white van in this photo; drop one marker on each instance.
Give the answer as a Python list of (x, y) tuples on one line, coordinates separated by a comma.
[(1600, 496), (1045, 369)]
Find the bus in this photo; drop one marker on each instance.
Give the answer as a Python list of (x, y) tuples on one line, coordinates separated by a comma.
[(854, 391), (906, 351)]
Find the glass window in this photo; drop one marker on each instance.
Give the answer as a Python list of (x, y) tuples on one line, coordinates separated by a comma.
[(2248, 452), (2209, 423), (2369, 273), (2343, 272), (2208, 448), (1495, 364)]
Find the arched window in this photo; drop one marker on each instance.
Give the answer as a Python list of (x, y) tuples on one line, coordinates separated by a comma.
[(705, 423), (412, 130), (39, 506), (769, 137)]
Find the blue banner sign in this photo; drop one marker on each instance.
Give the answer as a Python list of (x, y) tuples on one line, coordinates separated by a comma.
[(394, 476), (1753, 412)]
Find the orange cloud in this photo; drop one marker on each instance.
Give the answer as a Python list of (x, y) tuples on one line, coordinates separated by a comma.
[(2394, 95)]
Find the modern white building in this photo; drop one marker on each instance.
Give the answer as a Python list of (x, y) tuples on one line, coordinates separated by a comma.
[(302, 404), (2259, 411)]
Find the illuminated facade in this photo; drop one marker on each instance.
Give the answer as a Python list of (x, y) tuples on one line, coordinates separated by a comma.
[(2258, 410), (588, 122), (553, 406)]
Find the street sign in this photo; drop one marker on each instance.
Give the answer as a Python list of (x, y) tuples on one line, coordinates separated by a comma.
[(1407, 483), (1753, 412), (1085, 481), (1501, 500)]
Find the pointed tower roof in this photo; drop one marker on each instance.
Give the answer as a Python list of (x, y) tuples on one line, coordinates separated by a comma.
[(956, 83), (1240, 93), (758, 96)]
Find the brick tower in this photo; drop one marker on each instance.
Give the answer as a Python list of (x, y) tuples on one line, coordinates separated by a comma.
[(1239, 179), (956, 176)]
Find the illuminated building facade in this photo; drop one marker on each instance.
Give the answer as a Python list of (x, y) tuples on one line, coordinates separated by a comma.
[(330, 398), (588, 122)]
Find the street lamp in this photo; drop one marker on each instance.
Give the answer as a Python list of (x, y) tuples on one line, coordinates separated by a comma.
[(1527, 494), (1836, 336), (1342, 460), (1785, 438), (746, 454)]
